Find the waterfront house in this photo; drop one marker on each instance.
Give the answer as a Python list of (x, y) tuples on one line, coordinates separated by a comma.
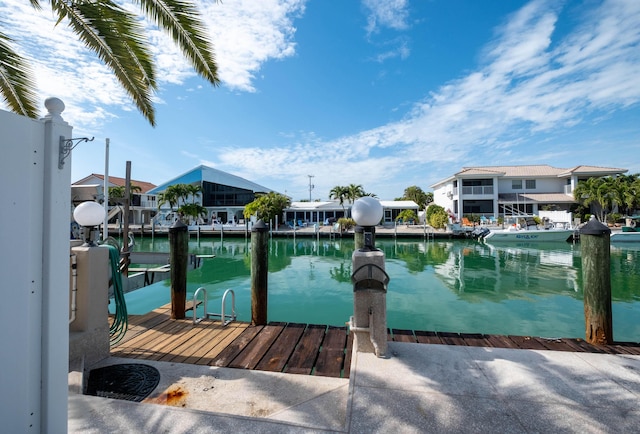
[(142, 208), (223, 195), (494, 191), (323, 212)]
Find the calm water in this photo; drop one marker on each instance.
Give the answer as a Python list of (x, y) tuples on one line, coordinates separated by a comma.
[(458, 285)]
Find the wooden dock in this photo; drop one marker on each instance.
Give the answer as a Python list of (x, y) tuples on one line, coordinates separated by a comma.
[(296, 348)]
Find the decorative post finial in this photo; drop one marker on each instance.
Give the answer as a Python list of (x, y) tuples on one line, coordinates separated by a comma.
[(55, 107)]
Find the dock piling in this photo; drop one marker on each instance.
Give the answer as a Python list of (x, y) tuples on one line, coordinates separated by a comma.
[(596, 275), (259, 270), (179, 256)]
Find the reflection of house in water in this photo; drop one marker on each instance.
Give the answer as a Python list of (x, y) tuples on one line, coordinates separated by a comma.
[(477, 272)]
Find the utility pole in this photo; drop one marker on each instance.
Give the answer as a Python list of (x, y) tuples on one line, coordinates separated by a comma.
[(311, 186)]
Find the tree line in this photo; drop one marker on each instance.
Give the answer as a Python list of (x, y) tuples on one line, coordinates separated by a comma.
[(607, 194)]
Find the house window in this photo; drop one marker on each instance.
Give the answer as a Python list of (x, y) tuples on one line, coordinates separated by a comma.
[(516, 184), (530, 184)]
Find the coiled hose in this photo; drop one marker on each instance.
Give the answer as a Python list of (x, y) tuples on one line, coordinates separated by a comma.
[(120, 321)]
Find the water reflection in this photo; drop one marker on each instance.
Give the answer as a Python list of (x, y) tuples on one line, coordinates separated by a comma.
[(481, 272), (456, 285)]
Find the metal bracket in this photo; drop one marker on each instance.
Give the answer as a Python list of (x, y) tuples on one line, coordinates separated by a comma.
[(66, 146)]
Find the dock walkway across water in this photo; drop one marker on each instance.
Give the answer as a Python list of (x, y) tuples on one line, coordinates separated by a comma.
[(308, 349)]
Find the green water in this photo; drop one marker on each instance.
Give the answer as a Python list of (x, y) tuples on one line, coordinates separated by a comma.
[(456, 286)]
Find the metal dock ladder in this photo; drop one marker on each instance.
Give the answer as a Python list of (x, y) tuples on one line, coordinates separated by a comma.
[(224, 318)]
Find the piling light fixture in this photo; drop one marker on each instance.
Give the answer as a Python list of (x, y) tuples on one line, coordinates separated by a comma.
[(367, 212), (89, 215)]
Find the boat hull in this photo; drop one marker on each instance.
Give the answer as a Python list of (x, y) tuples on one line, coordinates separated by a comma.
[(531, 236), (625, 237)]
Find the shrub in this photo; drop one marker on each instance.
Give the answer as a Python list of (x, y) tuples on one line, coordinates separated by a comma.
[(407, 216), (346, 223), (437, 217)]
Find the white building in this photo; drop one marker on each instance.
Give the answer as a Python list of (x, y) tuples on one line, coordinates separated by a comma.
[(142, 208), (494, 191), (321, 212), (223, 194)]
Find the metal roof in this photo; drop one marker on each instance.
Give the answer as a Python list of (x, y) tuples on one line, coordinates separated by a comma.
[(214, 176)]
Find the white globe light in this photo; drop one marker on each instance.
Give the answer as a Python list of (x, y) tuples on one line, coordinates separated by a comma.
[(89, 214), (367, 211)]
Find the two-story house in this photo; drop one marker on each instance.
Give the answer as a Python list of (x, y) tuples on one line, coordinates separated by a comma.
[(495, 191), (143, 205)]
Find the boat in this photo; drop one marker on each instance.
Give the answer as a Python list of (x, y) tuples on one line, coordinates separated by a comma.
[(530, 232), (629, 233)]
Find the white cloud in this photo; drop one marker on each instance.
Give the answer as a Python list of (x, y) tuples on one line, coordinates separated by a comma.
[(248, 33), (245, 34), (386, 13), (528, 82)]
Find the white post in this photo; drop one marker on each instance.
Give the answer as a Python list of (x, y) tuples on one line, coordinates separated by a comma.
[(55, 273)]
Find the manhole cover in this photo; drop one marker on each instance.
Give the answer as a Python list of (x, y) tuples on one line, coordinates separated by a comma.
[(129, 381)]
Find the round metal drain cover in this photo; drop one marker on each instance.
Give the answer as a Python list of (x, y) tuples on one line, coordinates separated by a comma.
[(129, 381)]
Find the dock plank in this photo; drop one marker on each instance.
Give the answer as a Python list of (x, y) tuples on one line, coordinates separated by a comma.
[(251, 355), (501, 341), (209, 336), (304, 357), (554, 344), (474, 339), (331, 357), (348, 351), (428, 337), (452, 338), (234, 348), (276, 358), (190, 339), (528, 343), (214, 345), (148, 338), (403, 336)]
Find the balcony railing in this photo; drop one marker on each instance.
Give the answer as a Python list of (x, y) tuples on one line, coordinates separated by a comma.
[(478, 190)]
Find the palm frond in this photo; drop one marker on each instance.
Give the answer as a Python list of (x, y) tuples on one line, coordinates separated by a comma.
[(181, 20), (17, 85), (119, 41)]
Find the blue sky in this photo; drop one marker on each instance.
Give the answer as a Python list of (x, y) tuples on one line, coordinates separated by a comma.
[(386, 94)]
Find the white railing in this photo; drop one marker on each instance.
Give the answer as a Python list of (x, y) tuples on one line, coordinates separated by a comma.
[(148, 202), (478, 190)]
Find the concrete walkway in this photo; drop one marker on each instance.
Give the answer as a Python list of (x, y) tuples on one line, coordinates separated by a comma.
[(417, 388)]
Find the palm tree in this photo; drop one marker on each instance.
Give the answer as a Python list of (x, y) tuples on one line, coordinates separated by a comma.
[(632, 198), (170, 195), (339, 193), (117, 193), (118, 38), (595, 193), (194, 191), (355, 192)]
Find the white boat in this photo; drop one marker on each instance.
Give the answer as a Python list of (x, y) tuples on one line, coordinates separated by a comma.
[(529, 233), (627, 235)]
